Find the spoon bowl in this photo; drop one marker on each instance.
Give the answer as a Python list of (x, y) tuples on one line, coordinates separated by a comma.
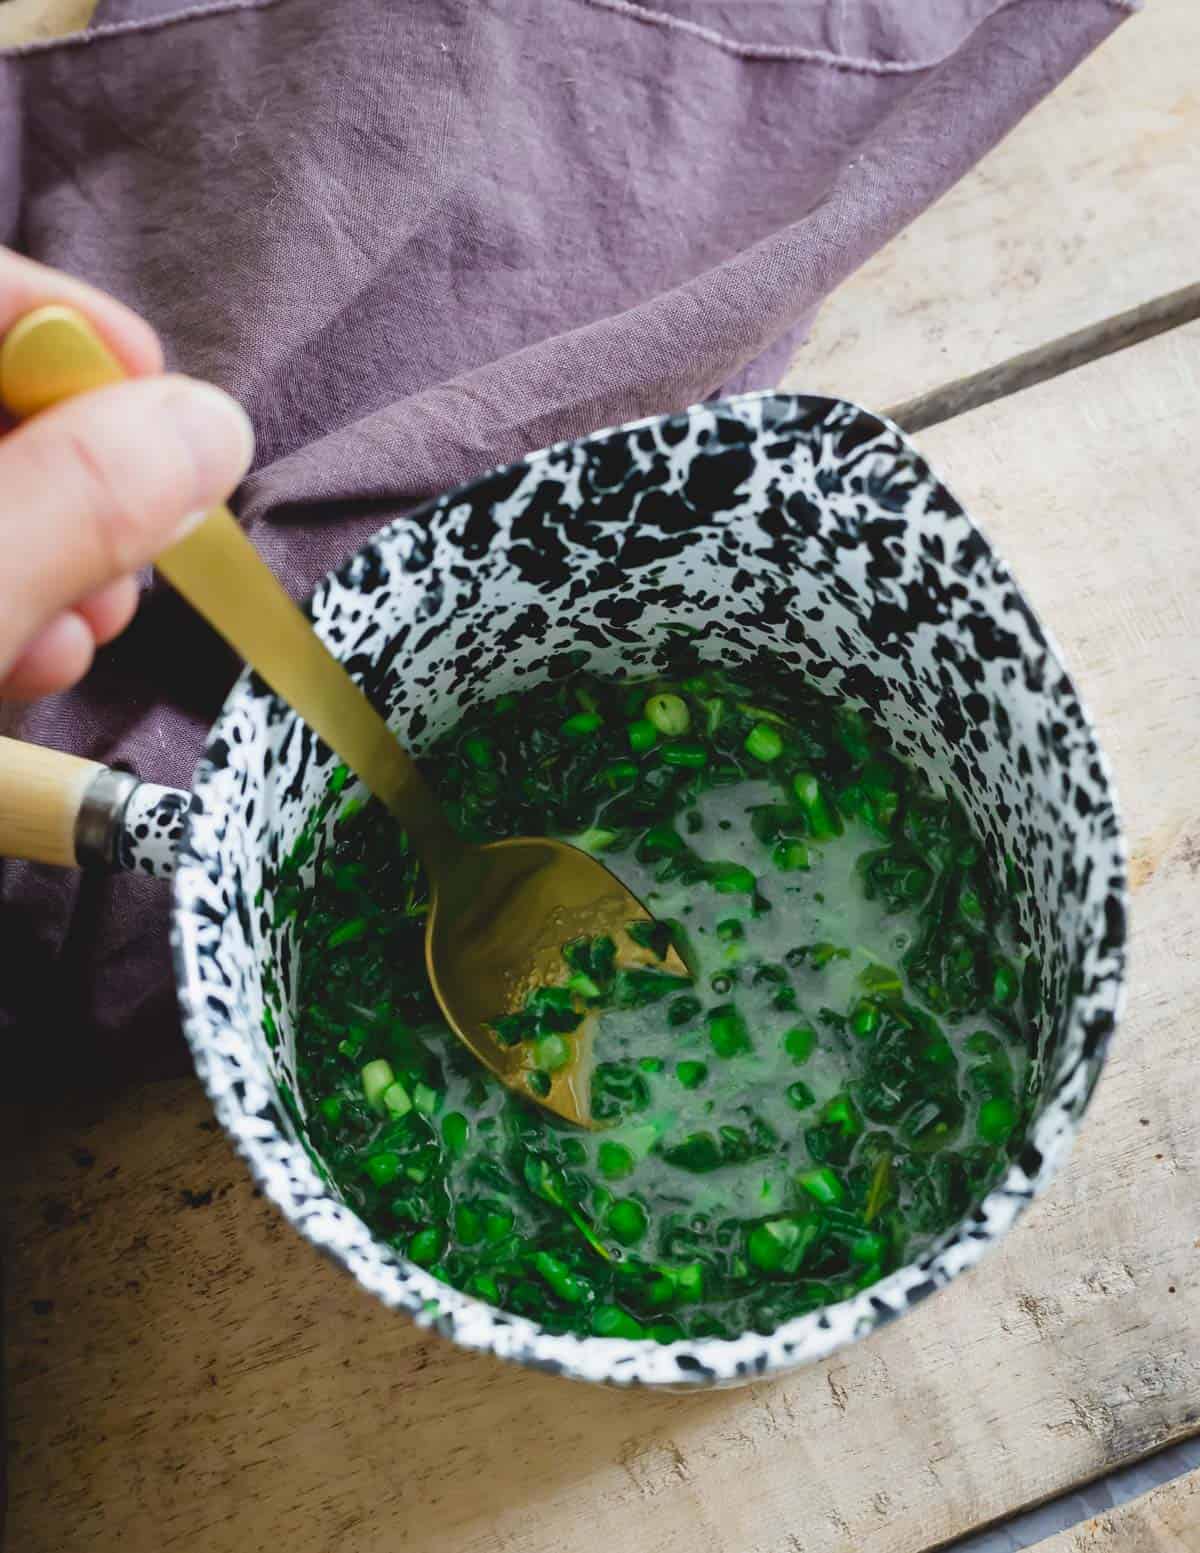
[(495, 932)]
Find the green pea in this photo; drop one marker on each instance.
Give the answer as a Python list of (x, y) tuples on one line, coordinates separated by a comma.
[(382, 1168), (730, 930), (455, 1130), (691, 1074), (669, 714), (693, 756), (681, 1010), (643, 736), (425, 1247), (997, 1118), (799, 1042), (582, 724), (331, 1109), (821, 1184), (764, 743), (626, 1221), (800, 1096), (612, 1321), (538, 1083), (615, 1161)]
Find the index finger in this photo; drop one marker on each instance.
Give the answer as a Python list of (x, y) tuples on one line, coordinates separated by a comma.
[(25, 285)]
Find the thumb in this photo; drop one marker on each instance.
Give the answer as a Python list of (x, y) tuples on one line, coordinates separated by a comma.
[(96, 487)]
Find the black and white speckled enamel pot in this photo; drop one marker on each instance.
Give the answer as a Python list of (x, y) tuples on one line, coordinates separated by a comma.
[(803, 526)]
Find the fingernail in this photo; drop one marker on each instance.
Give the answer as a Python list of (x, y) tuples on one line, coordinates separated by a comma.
[(218, 435)]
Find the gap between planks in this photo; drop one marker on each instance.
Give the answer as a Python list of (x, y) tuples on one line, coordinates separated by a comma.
[(1166, 1520), (1048, 361)]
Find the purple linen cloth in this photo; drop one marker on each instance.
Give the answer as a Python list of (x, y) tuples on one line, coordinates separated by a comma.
[(419, 237)]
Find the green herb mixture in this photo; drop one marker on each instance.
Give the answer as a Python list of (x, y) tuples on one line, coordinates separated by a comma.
[(844, 1076)]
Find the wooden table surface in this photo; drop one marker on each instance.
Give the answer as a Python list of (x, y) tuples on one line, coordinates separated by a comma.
[(185, 1373)]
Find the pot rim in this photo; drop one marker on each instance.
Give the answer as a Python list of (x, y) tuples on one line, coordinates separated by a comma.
[(277, 1161)]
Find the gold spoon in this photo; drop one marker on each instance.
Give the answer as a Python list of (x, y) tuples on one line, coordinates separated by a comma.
[(499, 914)]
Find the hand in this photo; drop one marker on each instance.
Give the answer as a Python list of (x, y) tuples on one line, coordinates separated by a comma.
[(93, 489)]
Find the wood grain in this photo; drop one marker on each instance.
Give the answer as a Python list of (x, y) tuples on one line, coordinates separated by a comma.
[(1090, 206), (186, 1374), (1050, 360), (31, 21), (1166, 1520)]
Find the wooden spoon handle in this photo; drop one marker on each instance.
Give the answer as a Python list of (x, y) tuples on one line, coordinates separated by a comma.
[(41, 795)]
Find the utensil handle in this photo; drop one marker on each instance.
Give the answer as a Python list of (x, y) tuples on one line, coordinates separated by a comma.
[(68, 812), (52, 806)]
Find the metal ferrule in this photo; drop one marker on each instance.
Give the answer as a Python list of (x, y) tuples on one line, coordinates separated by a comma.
[(98, 824)]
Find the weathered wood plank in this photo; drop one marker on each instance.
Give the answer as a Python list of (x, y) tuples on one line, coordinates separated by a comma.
[(195, 1377), (1090, 206), (1166, 1520)]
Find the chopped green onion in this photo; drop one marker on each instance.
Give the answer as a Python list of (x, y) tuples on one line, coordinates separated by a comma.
[(997, 1118), (551, 1052), (382, 1168), (455, 1130), (669, 714), (612, 1321), (426, 1100), (693, 756), (376, 1077), (396, 1101), (821, 1184), (583, 723), (426, 1246), (763, 743)]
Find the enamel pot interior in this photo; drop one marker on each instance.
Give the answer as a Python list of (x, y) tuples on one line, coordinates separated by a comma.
[(803, 528)]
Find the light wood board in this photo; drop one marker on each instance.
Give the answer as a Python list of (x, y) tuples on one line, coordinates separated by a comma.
[(204, 1381), (1090, 206), (1166, 1520)]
